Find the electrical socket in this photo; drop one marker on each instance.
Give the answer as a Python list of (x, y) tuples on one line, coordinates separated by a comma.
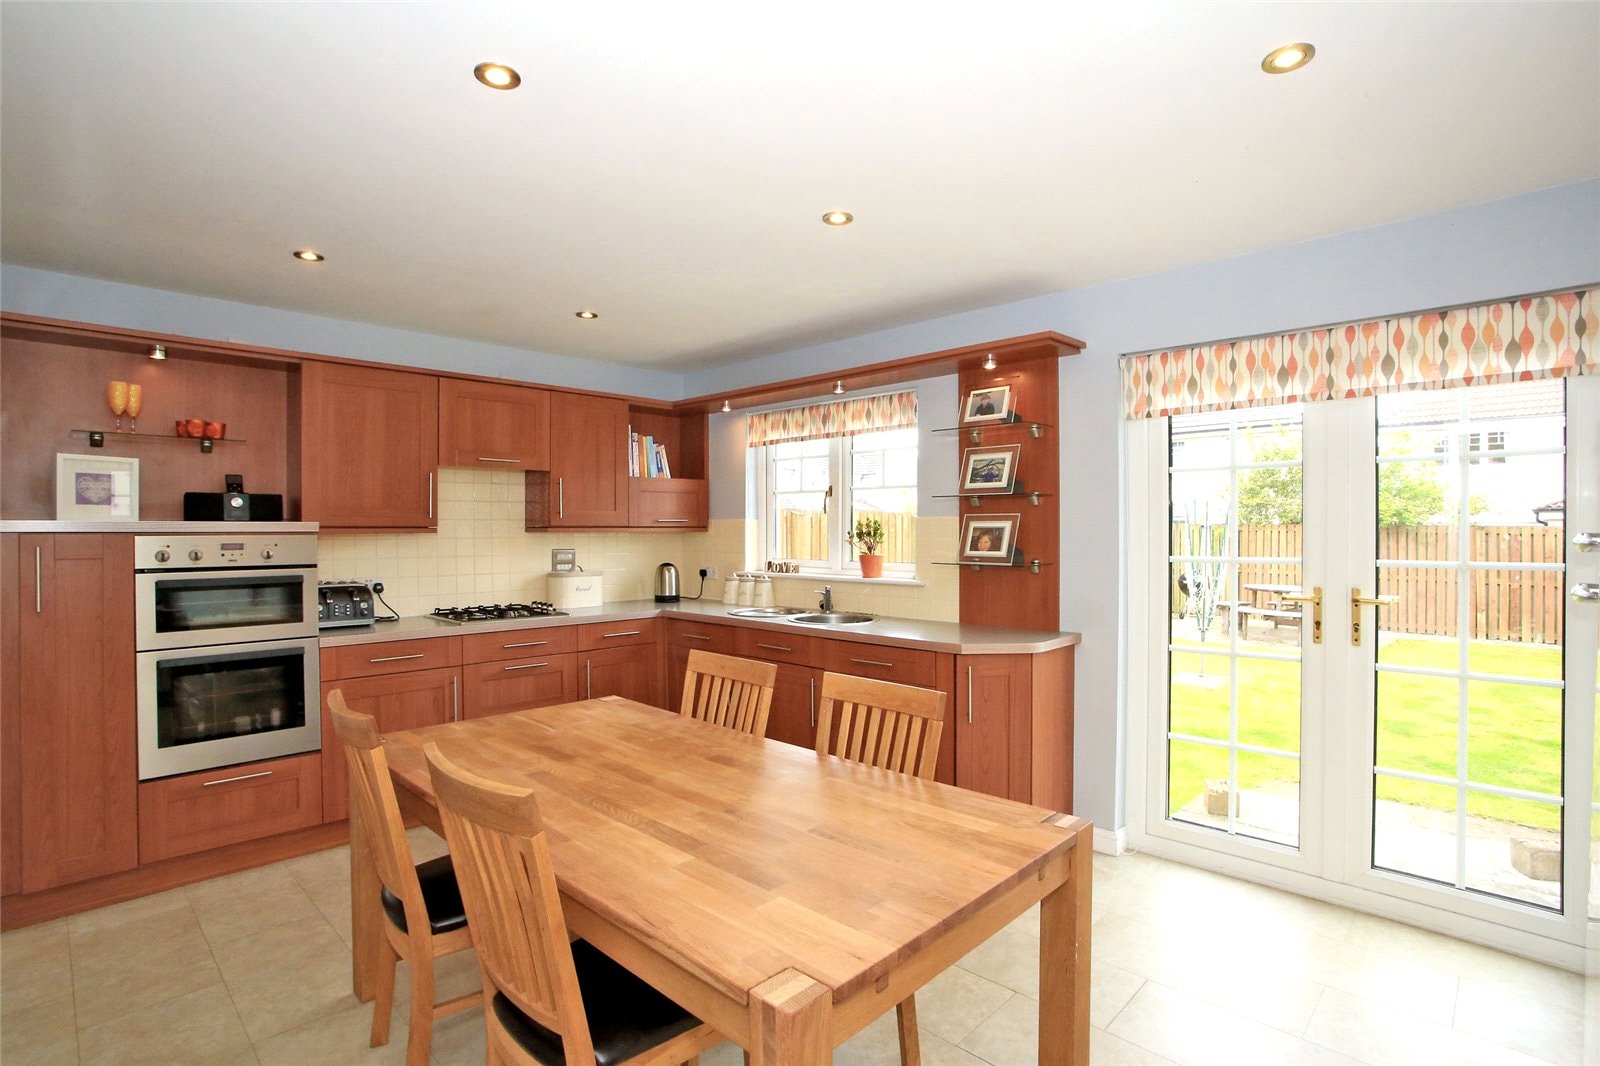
[(708, 571)]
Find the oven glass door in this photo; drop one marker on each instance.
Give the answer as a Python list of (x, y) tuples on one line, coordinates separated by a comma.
[(205, 707), (214, 607)]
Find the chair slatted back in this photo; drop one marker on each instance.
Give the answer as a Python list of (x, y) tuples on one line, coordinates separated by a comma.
[(508, 885), (379, 811), (890, 726), (728, 691)]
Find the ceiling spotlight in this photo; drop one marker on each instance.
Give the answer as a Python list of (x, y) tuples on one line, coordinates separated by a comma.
[(988, 361), (727, 408), (838, 388), (587, 315), (1289, 57), (497, 76), (838, 218), (306, 255), (158, 351)]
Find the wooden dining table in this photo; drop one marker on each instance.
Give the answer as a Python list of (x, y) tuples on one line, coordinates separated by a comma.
[(786, 898)]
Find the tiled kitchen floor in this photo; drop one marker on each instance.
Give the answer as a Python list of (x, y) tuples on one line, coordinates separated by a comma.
[(1189, 967)]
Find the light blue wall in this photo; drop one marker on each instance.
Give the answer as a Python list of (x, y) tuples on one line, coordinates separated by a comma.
[(1544, 240), (24, 290)]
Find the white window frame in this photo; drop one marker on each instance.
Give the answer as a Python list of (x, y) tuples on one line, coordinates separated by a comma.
[(842, 561)]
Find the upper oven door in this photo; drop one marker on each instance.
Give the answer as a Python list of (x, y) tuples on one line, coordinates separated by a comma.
[(203, 607)]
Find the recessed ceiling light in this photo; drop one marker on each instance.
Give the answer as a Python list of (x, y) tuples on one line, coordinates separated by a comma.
[(1289, 57), (838, 218), (306, 255), (587, 314), (497, 75)]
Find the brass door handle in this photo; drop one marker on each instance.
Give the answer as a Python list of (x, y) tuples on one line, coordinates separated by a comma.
[(1358, 601), (1315, 600)]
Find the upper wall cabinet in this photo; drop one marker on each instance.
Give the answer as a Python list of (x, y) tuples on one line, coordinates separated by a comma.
[(588, 481), (492, 426), (369, 447)]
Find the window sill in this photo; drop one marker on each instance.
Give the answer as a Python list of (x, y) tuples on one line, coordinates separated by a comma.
[(844, 579)]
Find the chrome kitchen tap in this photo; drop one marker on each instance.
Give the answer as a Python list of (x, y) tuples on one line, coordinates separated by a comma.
[(826, 607)]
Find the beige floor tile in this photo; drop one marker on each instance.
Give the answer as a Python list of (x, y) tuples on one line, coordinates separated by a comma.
[(1110, 989), (138, 910), (1010, 958), (325, 877), (879, 1045), (339, 1037), (1393, 981), (1545, 1028), (124, 968), (1371, 1033), (287, 976), (197, 1029), (248, 902), (957, 1001), (1195, 1033), (425, 844), (1108, 1050), (44, 1034), (35, 967), (1009, 1036)]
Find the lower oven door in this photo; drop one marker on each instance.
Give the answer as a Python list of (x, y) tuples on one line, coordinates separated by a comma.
[(201, 708)]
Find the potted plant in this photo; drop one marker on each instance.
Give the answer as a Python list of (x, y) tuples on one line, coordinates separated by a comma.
[(867, 536)]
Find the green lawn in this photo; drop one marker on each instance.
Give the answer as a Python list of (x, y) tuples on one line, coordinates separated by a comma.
[(1514, 731)]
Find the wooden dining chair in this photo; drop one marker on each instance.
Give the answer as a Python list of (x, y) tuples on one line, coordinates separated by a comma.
[(728, 691), (893, 727), (425, 918), (547, 1001)]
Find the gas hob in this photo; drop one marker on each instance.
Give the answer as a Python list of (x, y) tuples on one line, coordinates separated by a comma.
[(496, 612)]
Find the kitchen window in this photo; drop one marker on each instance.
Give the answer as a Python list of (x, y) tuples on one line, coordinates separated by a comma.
[(817, 470)]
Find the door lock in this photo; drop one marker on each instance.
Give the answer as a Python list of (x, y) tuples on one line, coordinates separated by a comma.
[(1315, 600), (1357, 601)]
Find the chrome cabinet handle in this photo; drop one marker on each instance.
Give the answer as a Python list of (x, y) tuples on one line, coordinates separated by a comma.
[(969, 695), (774, 647), (672, 520), (525, 666), (455, 697), (492, 459), (526, 644), (872, 662), (561, 497), (231, 780), (396, 658), (1586, 592), (430, 494), (813, 701), (624, 633), (38, 579), (588, 679), (694, 636), (1586, 542)]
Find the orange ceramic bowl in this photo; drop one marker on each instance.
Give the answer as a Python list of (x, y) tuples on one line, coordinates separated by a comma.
[(181, 428), (195, 427), (216, 430)]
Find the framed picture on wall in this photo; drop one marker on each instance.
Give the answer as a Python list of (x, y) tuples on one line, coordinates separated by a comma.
[(992, 404), (990, 469), (94, 488), (988, 538)]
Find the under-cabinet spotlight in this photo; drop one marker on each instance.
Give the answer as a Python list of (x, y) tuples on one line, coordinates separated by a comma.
[(727, 408), (158, 351), (838, 388), (988, 361)]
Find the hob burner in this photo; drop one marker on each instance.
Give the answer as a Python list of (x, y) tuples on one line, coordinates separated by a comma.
[(495, 612)]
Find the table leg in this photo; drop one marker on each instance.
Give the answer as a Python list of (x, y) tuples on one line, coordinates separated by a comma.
[(1065, 916), (366, 914), (791, 1021)]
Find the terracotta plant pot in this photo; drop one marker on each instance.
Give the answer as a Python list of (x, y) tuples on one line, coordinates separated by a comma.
[(871, 566)]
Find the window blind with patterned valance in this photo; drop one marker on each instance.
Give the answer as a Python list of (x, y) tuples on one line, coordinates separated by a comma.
[(1534, 337), (842, 418)]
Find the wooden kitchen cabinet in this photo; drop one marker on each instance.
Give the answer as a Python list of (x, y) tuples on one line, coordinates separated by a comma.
[(1013, 718), (71, 765), (198, 812), (667, 503), (793, 718), (587, 484), (402, 700), (517, 684), (369, 447), (632, 672), (492, 426), (683, 636)]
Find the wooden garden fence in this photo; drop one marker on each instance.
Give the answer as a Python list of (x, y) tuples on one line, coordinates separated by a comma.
[(1512, 605), (806, 534)]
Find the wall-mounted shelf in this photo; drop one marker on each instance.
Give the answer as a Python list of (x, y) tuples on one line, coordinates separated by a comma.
[(974, 497), (975, 432), (1032, 565), (97, 438)]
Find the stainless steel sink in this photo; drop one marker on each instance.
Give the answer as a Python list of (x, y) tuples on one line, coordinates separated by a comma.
[(767, 612), (828, 618)]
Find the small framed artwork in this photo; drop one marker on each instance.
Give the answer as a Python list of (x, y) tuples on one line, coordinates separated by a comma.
[(992, 404), (94, 488), (990, 469), (988, 538)]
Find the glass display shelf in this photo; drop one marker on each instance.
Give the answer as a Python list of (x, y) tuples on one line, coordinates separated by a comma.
[(975, 430), (97, 438), (1031, 497), (1017, 563)]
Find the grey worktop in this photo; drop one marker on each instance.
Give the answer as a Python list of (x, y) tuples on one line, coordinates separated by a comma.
[(896, 632), (193, 528)]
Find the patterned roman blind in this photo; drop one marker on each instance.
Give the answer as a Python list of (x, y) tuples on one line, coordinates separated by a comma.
[(1517, 340), (845, 418)]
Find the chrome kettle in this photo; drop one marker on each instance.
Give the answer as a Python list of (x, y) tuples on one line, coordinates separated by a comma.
[(666, 583)]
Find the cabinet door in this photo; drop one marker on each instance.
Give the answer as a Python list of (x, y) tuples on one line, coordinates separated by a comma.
[(684, 637), (667, 503), (369, 447), (588, 461), (498, 687), (75, 714), (397, 701), (794, 705), (493, 427), (198, 812), (632, 672), (992, 714)]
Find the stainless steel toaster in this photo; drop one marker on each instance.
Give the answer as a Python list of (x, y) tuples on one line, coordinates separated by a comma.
[(345, 603)]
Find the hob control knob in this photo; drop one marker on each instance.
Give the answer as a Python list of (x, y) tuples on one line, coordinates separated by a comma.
[(266, 553), (163, 555), (195, 555)]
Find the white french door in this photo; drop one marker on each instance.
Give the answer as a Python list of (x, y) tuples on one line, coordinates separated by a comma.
[(1354, 659)]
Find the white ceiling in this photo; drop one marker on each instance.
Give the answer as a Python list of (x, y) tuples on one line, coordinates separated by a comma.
[(667, 163)]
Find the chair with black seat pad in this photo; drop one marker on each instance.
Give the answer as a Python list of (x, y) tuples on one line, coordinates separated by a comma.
[(547, 1002), (421, 902)]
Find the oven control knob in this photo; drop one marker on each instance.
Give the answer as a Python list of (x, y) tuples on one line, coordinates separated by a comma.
[(195, 555), (163, 555), (266, 553)]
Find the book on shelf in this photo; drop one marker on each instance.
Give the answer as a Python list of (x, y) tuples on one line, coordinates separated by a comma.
[(647, 457)]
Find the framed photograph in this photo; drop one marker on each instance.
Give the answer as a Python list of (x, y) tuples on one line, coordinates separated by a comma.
[(992, 404), (990, 469), (95, 488), (988, 538)]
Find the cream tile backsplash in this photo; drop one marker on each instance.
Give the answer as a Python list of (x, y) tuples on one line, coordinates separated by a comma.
[(482, 554)]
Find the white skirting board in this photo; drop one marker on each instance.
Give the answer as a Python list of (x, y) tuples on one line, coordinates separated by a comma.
[(1110, 841)]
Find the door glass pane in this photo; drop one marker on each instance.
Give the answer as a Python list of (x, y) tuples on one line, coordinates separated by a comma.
[(1234, 631), (1468, 483)]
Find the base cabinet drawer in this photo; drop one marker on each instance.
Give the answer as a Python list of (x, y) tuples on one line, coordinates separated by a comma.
[(197, 812), (597, 635), (904, 666), (776, 646), (391, 657), (518, 643), (515, 685)]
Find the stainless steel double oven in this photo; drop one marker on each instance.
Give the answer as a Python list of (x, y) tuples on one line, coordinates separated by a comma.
[(227, 649)]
